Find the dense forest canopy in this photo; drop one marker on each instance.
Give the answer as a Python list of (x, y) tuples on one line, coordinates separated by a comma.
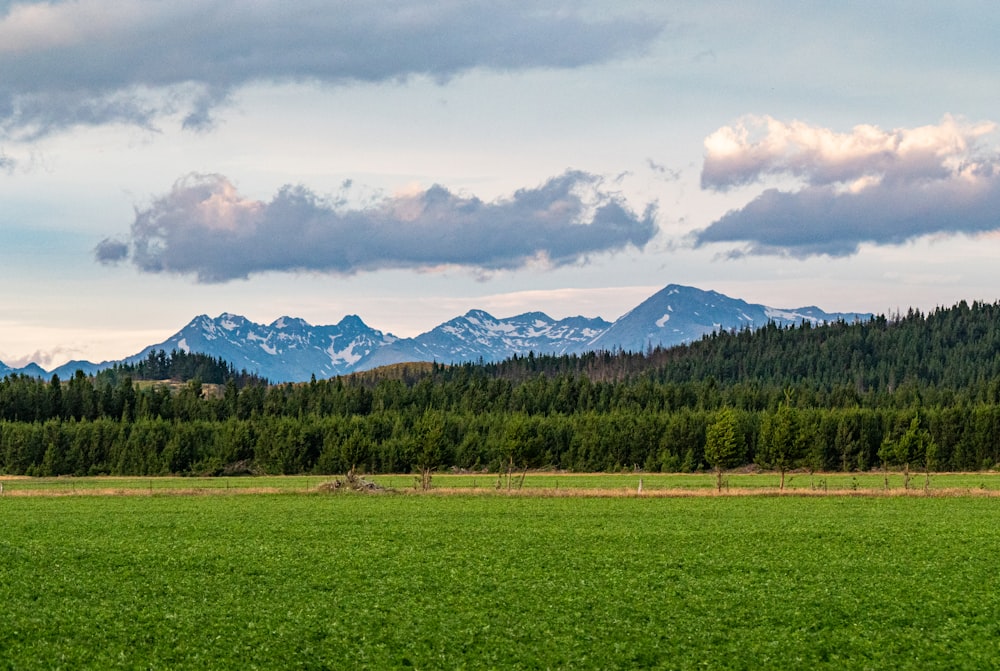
[(914, 391), (180, 366)]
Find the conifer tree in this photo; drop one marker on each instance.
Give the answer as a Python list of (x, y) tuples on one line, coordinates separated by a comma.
[(722, 443)]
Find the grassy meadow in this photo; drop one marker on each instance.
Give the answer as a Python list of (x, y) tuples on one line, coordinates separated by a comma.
[(340, 581)]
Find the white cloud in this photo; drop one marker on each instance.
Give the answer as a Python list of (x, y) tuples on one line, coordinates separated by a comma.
[(757, 147)]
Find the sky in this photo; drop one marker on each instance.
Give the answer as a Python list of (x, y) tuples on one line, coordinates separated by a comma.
[(408, 161)]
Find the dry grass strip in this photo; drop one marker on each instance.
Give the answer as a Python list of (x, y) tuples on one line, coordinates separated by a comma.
[(533, 492), (190, 491), (621, 493)]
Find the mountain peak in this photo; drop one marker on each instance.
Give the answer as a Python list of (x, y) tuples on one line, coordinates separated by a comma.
[(478, 315), (353, 321), (533, 316), (286, 322), (229, 321), (678, 314)]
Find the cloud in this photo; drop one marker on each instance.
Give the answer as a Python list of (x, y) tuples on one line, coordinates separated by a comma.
[(131, 61), (110, 251), (758, 147), (869, 185), (667, 174), (205, 228), (44, 358)]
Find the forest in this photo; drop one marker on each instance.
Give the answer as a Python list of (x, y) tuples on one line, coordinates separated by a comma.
[(914, 391)]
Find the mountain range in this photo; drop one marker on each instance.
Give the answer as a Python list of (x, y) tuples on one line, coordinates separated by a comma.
[(291, 350)]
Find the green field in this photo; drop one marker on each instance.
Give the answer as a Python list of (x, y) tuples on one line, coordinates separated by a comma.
[(354, 581)]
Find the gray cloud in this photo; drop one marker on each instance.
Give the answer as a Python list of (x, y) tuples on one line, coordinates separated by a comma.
[(821, 220), (100, 61), (866, 186), (205, 228), (110, 251)]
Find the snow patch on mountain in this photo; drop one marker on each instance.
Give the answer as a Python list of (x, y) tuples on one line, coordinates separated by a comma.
[(347, 356)]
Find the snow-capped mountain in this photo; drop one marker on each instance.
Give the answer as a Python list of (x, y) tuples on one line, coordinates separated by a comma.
[(678, 314), (290, 349), (479, 335)]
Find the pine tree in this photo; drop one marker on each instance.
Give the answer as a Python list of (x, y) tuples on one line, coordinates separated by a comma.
[(722, 443), (780, 441)]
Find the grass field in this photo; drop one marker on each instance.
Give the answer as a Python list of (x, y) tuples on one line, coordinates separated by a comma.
[(473, 581)]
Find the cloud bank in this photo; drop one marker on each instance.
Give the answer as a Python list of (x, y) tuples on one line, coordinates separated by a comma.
[(85, 62), (868, 185), (203, 227)]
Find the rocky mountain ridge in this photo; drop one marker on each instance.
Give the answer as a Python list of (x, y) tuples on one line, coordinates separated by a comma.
[(290, 349)]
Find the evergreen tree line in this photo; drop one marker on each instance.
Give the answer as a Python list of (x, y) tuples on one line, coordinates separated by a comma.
[(959, 438), (911, 391), (180, 366)]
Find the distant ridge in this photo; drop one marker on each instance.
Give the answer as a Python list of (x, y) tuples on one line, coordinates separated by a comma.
[(291, 350)]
